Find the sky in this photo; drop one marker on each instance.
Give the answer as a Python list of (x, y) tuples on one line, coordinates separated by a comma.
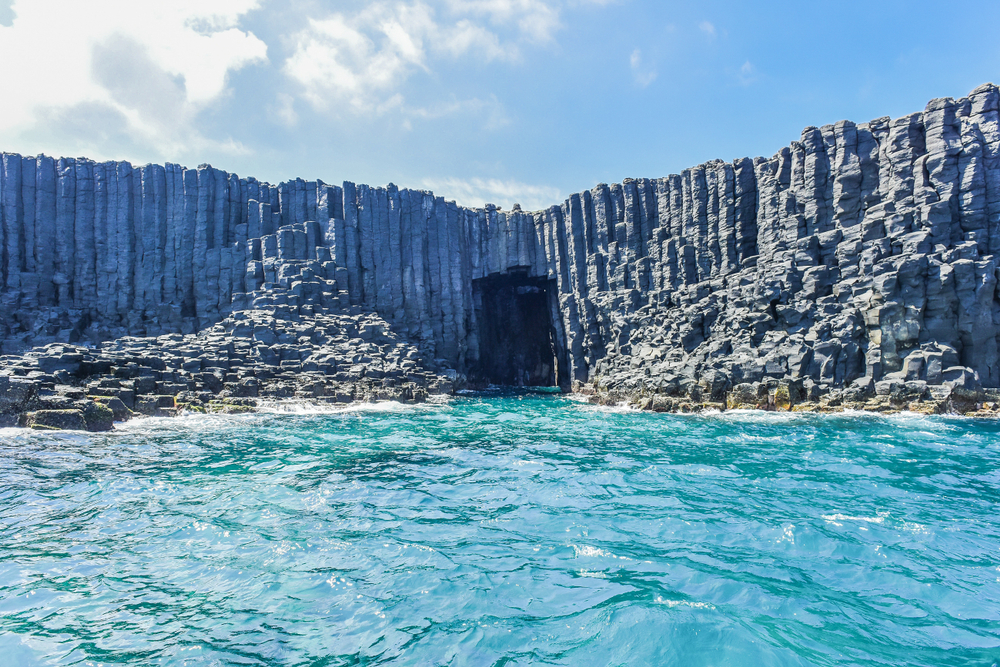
[(498, 101)]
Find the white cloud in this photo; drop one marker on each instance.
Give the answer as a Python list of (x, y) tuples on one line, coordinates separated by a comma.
[(747, 74), (535, 19), (357, 62), (150, 66), (357, 59), (707, 28), (477, 192), (643, 75)]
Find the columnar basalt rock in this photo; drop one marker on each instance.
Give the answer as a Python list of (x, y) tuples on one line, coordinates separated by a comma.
[(860, 251)]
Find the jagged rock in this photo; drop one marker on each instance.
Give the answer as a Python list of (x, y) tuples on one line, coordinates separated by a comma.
[(781, 398), (745, 396), (961, 378), (863, 388), (119, 412), (155, 406), (16, 394)]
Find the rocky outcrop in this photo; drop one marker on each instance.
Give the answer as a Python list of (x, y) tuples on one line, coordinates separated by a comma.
[(871, 253), (861, 251), (248, 359)]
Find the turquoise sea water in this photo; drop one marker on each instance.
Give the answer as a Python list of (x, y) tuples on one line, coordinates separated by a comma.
[(502, 531)]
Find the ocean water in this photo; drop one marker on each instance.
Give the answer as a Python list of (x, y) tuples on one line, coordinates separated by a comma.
[(503, 530)]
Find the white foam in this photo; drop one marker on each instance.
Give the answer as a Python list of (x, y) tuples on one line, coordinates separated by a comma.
[(683, 603), (757, 416), (11, 434), (835, 518), (587, 551), (618, 408), (307, 407), (591, 574), (186, 420), (298, 407)]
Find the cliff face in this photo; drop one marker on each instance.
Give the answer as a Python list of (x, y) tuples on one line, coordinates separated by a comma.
[(860, 250)]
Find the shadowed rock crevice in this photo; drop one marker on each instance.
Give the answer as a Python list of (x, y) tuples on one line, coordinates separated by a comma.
[(517, 341)]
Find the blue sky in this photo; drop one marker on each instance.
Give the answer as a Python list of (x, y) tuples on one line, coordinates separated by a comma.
[(479, 100)]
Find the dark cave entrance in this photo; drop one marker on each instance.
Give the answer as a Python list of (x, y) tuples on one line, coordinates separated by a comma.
[(518, 345)]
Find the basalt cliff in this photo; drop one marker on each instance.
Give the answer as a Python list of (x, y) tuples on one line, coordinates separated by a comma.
[(857, 266)]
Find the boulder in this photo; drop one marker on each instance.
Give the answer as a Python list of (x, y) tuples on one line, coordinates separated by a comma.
[(119, 411), (745, 396), (16, 394), (98, 417), (56, 420)]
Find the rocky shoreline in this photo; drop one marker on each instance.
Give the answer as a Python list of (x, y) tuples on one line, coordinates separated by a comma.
[(887, 397), (248, 359), (255, 359)]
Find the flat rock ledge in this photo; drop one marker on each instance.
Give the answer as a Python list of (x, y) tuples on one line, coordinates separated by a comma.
[(250, 360)]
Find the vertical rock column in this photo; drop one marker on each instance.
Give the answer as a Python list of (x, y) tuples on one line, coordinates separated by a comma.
[(11, 210), (45, 241)]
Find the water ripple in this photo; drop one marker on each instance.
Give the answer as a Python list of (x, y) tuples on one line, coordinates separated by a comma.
[(503, 530)]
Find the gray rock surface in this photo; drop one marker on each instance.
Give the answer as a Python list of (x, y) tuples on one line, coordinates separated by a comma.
[(860, 251)]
